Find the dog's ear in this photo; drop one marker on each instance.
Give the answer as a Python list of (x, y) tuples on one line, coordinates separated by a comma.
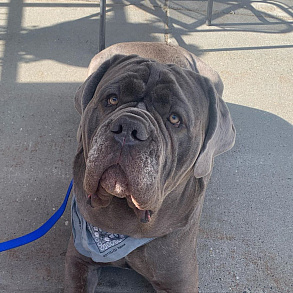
[(87, 90), (220, 135)]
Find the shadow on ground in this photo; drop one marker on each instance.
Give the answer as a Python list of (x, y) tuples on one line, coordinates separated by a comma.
[(246, 230)]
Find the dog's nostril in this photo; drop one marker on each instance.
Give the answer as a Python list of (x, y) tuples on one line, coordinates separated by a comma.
[(129, 131), (134, 134), (118, 129), (138, 136)]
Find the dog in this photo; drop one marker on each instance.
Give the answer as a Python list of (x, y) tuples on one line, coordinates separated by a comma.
[(152, 121)]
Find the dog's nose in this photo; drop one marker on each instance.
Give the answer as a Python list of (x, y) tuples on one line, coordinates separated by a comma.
[(129, 130)]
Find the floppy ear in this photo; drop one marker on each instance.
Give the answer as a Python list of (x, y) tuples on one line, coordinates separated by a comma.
[(220, 136), (87, 90)]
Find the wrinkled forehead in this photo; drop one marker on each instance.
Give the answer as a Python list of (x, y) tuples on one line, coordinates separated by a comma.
[(162, 83), (137, 68), (130, 77)]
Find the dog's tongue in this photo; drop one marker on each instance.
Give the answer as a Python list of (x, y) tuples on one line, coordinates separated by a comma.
[(143, 215)]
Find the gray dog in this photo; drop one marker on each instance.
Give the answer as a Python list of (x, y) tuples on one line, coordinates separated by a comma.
[(152, 121)]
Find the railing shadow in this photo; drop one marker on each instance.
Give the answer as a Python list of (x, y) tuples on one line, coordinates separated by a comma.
[(63, 41)]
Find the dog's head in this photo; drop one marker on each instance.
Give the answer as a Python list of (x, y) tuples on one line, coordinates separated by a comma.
[(146, 128)]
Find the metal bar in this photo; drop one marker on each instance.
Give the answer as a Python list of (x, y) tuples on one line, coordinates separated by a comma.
[(102, 25), (209, 11)]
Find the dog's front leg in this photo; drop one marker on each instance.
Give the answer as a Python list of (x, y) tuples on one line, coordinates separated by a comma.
[(81, 273), (168, 263)]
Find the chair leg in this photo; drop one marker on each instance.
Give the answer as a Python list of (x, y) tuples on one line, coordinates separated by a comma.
[(102, 25), (209, 12)]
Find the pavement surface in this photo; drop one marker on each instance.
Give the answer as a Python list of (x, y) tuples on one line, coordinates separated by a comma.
[(246, 235)]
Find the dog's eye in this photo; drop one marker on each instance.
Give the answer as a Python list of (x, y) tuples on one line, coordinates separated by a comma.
[(174, 119), (113, 100)]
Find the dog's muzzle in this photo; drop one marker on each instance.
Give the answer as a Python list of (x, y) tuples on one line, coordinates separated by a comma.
[(123, 162)]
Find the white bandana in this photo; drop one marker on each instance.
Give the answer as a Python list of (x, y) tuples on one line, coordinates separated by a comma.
[(97, 244)]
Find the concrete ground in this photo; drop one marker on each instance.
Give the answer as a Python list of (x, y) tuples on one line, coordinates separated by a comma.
[(246, 236)]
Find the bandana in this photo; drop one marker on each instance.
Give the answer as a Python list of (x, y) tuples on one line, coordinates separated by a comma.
[(100, 245)]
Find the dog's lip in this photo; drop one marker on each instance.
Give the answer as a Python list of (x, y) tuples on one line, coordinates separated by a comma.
[(100, 198), (115, 181), (101, 201), (105, 192)]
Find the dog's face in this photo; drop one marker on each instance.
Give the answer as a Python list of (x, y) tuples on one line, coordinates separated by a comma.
[(146, 130)]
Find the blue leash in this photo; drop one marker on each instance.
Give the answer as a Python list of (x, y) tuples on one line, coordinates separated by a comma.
[(40, 231)]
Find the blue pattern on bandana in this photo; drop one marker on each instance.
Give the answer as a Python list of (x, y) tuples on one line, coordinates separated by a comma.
[(105, 240)]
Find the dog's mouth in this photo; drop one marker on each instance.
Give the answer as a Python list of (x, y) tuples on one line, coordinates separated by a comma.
[(114, 183)]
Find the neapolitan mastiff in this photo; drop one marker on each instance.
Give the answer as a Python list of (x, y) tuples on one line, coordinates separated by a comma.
[(152, 121)]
